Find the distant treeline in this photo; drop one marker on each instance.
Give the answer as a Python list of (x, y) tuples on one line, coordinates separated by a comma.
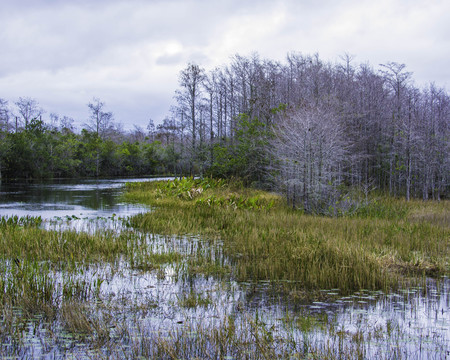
[(303, 126), (31, 148)]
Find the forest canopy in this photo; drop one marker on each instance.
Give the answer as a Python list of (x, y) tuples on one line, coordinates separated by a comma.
[(303, 126)]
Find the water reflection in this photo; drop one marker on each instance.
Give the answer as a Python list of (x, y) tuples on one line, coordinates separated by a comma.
[(60, 198)]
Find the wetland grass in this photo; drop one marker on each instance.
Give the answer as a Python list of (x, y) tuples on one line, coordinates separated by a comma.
[(53, 282), (250, 338), (377, 247), (194, 300), (53, 277)]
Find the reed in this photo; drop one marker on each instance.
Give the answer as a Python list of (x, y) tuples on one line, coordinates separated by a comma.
[(41, 271), (250, 338)]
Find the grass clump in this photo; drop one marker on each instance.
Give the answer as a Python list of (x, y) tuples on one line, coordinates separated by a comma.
[(63, 249), (29, 285), (150, 261), (194, 300)]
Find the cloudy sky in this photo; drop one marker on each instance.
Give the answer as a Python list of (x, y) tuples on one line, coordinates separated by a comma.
[(129, 53)]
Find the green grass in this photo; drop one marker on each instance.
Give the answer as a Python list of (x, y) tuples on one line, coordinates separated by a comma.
[(62, 249), (193, 300), (378, 246), (42, 270)]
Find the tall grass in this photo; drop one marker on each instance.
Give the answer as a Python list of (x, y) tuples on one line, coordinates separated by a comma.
[(372, 249), (42, 270)]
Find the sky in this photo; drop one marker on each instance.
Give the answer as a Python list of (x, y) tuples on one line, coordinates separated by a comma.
[(129, 53)]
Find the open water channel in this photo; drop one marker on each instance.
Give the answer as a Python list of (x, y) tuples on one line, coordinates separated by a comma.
[(411, 323)]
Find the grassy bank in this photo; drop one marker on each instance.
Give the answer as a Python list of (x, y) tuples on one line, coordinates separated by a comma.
[(381, 244)]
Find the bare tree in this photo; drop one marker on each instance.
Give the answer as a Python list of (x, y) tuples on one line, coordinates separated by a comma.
[(191, 81), (4, 115), (66, 123), (28, 109), (397, 81), (100, 122), (54, 120), (433, 164), (167, 130), (310, 149), (151, 130)]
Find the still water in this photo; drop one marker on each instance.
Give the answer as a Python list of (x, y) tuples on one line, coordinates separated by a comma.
[(62, 198), (410, 323)]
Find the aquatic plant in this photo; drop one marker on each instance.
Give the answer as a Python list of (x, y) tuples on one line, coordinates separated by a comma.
[(23, 221)]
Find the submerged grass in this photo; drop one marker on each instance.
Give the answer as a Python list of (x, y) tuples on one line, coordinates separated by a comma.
[(250, 338), (41, 270), (372, 249), (230, 337)]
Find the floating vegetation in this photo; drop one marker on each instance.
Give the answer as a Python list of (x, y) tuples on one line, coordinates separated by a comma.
[(23, 221)]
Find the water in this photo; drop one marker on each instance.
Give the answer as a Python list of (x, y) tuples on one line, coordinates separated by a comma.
[(412, 323), (62, 198)]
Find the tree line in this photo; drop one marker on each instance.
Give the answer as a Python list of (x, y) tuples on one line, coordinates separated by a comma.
[(306, 127), (312, 128), (31, 148)]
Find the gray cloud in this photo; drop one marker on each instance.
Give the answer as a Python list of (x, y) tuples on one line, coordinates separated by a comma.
[(129, 52)]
